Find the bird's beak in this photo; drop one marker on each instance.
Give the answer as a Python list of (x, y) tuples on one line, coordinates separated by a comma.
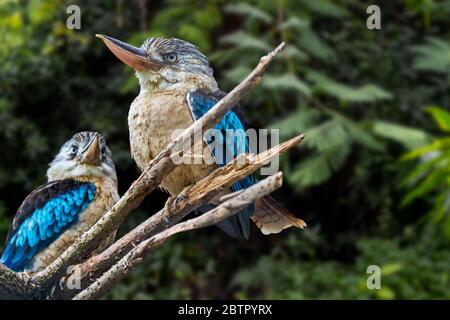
[(132, 56), (91, 154)]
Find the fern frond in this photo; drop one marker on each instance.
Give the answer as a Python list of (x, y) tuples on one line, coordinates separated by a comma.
[(242, 39), (409, 137), (248, 10), (326, 8), (313, 44), (366, 93), (297, 122), (318, 168), (433, 55), (286, 82)]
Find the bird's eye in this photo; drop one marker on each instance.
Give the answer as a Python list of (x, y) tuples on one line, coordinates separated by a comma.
[(171, 57), (73, 150)]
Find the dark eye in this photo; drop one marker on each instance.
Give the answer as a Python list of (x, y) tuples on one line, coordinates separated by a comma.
[(171, 57), (73, 150)]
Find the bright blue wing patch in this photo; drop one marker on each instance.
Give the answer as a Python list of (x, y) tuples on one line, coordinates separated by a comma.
[(45, 224), (233, 139)]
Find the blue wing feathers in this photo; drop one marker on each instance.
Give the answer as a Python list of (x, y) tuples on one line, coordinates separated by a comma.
[(39, 222), (236, 143)]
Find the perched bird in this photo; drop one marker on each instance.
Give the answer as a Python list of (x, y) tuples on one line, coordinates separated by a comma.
[(177, 87), (81, 187)]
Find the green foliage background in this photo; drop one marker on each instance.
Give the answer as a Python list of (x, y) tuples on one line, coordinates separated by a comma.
[(363, 178)]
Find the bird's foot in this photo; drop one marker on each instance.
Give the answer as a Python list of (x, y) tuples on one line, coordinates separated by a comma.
[(166, 212), (181, 197), (171, 205)]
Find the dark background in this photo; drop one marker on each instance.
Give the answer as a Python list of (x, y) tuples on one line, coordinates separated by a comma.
[(371, 178)]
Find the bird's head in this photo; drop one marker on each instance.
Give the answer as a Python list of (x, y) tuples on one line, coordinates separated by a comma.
[(165, 63), (86, 154)]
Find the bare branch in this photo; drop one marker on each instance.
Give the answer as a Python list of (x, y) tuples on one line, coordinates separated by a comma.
[(193, 197), (136, 255), (151, 177), (14, 285), (28, 285)]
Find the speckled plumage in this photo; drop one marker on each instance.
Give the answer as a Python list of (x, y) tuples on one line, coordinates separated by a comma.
[(82, 187), (154, 116), (163, 107), (151, 121), (177, 87)]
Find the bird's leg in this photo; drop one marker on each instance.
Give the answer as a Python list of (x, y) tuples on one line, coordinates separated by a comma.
[(172, 204), (180, 197), (166, 211)]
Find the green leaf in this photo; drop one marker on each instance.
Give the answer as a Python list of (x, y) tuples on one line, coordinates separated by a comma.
[(357, 132), (441, 116), (391, 268), (287, 81), (433, 55), (424, 168), (431, 182), (236, 75), (326, 8), (329, 134), (409, 137), (248, 11), (437, 145), (366, 93), (297, 122), (245, 40), (312, 171), (311, 43), (195, 35), (295, 23), (293, 52), (385, 293), (318, 168)]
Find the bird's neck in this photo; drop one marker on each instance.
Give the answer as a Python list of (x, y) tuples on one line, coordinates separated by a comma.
[(99, 182), (150, 83)]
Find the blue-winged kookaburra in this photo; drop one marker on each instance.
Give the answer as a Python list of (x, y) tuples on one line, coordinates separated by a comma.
[(177, 87), (81, 187)]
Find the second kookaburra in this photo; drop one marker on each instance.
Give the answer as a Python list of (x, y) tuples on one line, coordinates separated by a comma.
[(177, 87)]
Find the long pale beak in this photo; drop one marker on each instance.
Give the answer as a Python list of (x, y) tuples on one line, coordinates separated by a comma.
[(132, 56), (91, 154)]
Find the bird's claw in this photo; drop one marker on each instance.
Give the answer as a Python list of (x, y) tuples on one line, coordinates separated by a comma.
[(166, 221), (172, 204), (179, 198)]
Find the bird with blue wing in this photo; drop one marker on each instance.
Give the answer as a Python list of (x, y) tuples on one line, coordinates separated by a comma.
[(177, 87), (81, 187)]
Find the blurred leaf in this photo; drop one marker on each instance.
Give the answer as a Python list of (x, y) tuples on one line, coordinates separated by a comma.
[(286, 82), (366, 93), (296, 123), (242, 39), (409, 137), (385, 293), (391, 268), (326, 8), (295, 23), (433, 55), (310, 42), (441, 117), (248, 11)]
